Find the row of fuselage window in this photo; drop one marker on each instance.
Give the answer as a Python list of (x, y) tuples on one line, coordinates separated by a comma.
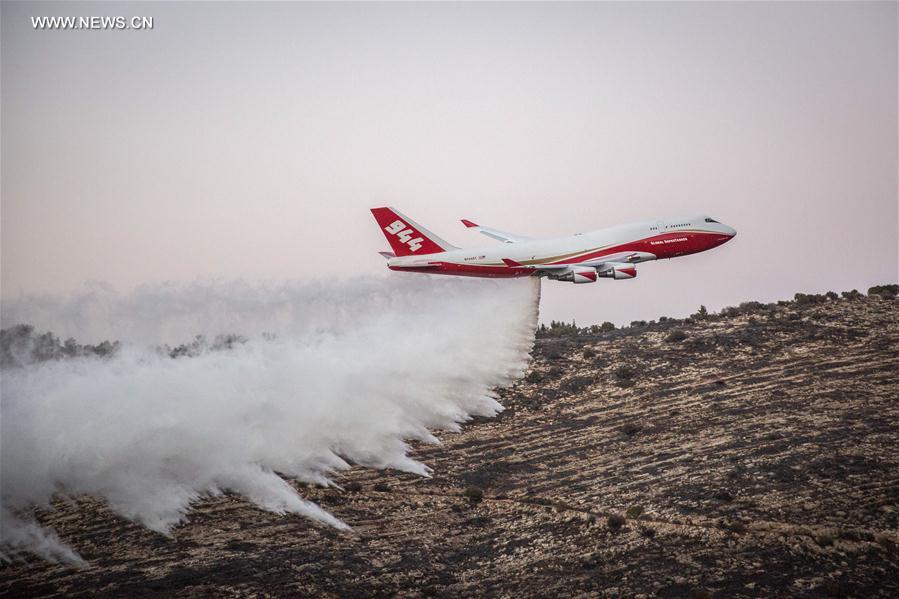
[(669, 227)]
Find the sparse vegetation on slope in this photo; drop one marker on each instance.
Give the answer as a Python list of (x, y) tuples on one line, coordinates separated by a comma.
[(755, 457)]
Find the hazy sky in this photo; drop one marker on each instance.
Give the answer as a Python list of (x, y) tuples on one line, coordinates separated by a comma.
[(249, 140)]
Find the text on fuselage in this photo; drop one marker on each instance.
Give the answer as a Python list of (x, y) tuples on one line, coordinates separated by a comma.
[(675, 240)]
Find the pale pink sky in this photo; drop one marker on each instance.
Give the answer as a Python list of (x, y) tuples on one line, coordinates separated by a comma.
[(248, 140)]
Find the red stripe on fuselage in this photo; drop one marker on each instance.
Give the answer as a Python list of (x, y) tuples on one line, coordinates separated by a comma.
[(666, 245), (468, 270)]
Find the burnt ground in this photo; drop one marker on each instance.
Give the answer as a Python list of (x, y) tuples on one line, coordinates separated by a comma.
[(756, 456)]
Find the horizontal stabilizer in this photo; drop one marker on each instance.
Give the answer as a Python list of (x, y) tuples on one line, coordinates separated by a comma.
[(512, 263)]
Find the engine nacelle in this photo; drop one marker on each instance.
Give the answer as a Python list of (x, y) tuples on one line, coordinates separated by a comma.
[(618, 270), (578, 274)]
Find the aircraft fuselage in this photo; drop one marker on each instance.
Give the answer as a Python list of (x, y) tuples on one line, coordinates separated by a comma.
[(626, 244)]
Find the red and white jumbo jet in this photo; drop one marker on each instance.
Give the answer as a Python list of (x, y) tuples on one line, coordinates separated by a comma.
[(581, 258)]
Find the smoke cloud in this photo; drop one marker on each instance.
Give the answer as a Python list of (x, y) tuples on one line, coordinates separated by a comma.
[(331, 375)]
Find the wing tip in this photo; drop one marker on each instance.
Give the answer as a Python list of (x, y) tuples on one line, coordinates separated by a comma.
[(468, 223)]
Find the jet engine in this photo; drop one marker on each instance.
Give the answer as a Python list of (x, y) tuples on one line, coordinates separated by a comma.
[(578, 274), (617, 270)]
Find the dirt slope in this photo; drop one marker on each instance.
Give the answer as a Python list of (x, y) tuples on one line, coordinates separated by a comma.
[(756, 456)]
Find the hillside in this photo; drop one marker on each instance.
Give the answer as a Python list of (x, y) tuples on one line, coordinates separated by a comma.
[(749, 453)]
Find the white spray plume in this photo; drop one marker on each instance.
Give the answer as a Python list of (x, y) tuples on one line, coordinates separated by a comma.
[(352, 371)]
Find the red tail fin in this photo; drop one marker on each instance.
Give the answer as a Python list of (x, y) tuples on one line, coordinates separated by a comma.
[(406, 237)]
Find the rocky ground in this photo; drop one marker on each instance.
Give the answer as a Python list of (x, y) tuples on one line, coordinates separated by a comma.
[(753, 453)]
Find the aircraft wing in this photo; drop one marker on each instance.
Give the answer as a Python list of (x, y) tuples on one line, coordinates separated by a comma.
[(495, 233), (514, 264)]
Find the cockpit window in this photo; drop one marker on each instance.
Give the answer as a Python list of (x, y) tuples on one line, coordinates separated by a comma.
[(710, 220)]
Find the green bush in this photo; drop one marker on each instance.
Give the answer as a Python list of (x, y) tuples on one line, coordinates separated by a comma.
[(723, 495), (20, 345), (558, 329), (808, 299), (533, 376), (615, 521), (596, 329), (576, 384), (635, 511), (625, 372), (749, 307), (474, 493), (624, 376), (630, 429), (734, 526), (552, 353), (676, 336), (886, 291)]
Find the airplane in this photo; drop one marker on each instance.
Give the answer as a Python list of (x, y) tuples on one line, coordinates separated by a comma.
[(611, 253)]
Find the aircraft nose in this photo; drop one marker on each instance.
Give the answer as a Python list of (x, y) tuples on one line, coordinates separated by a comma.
[(729, 231)]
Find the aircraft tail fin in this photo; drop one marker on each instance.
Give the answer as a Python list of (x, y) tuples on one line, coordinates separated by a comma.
[(406, 237)]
